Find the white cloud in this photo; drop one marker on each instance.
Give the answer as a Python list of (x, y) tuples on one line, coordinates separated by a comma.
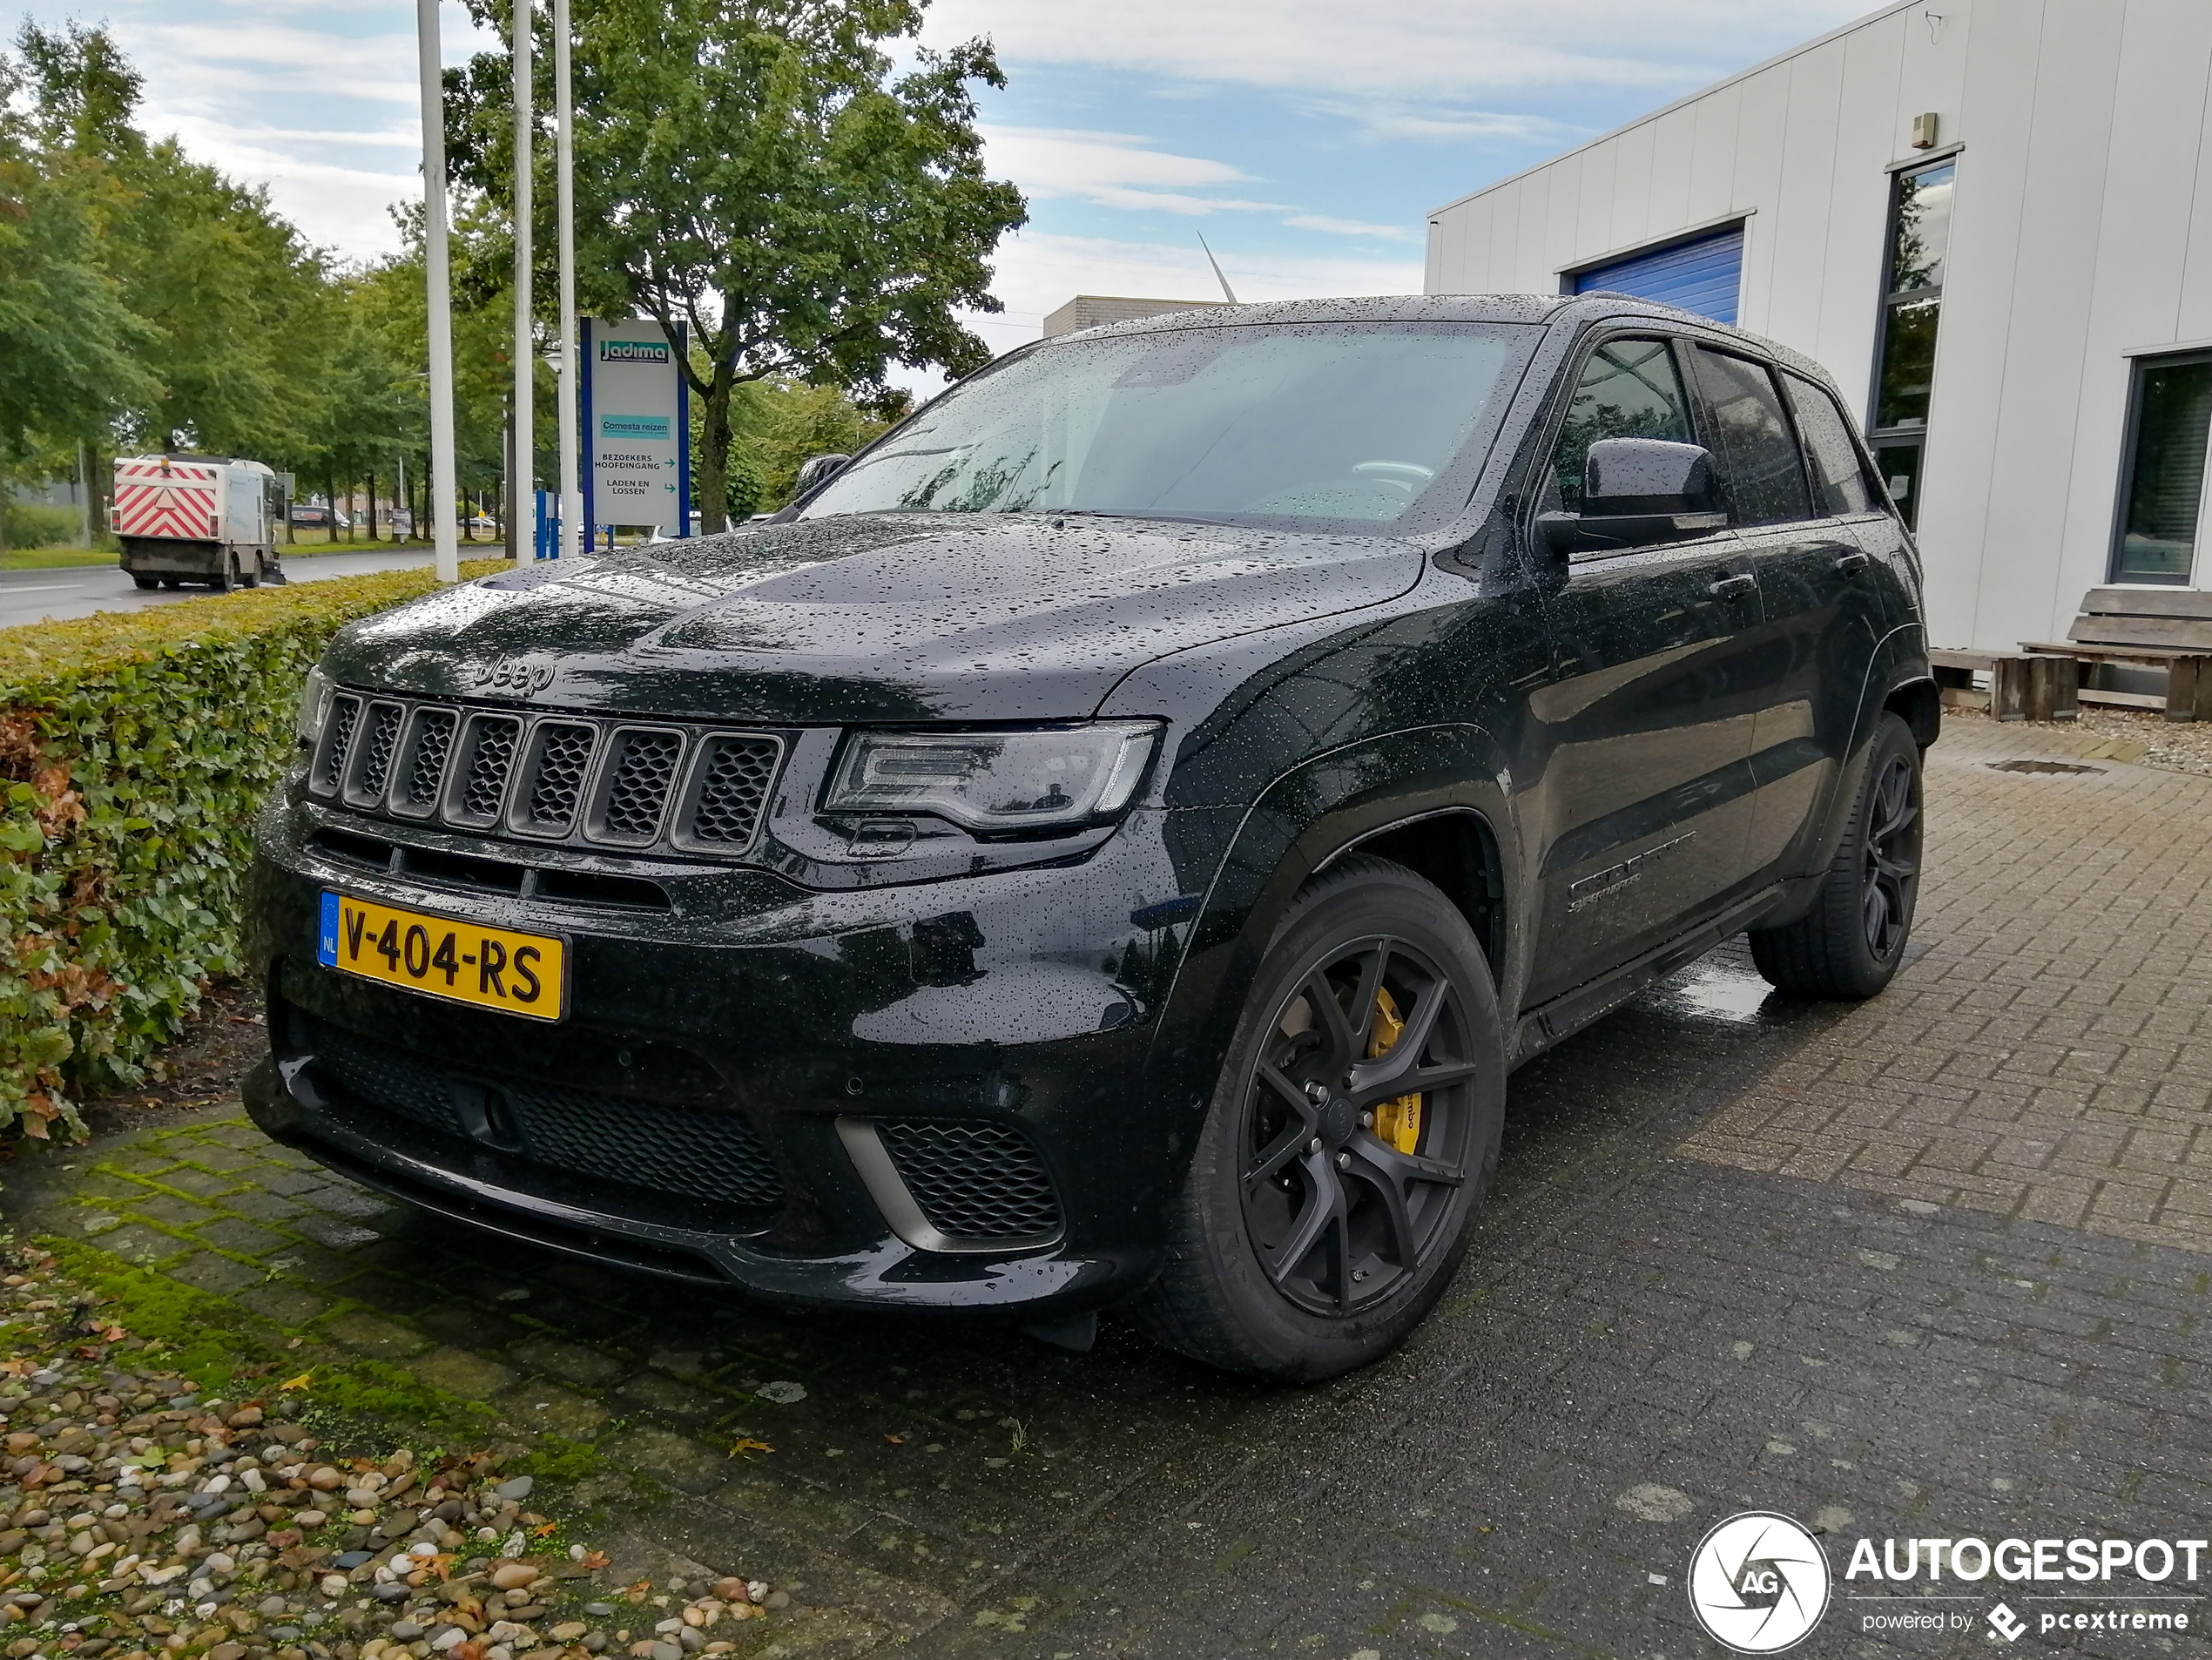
[(1112, 170), (1039, 272), (1397, 49), (1346, 227)]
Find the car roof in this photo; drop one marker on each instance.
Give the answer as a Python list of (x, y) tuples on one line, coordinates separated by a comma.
[(1570, 312)]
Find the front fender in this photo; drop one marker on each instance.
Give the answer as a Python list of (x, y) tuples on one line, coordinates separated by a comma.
[(1312, 813)]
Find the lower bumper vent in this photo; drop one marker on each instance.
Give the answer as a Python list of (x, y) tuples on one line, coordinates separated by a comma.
[(974, 1181), (705, 1154)]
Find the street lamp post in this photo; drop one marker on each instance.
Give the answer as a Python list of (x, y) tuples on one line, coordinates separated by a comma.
[(442, 483), (521, 468), (564, 187)]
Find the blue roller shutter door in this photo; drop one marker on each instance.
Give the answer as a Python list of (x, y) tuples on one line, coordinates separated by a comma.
[(1700, 276)]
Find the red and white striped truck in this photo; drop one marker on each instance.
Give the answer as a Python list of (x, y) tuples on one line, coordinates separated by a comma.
[(197, 518)]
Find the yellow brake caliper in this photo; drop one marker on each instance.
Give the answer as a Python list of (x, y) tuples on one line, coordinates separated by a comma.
[(1398, 1123)]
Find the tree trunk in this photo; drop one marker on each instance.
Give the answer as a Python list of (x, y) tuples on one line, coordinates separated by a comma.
[(372, 507), (714, 452), (330, 495)]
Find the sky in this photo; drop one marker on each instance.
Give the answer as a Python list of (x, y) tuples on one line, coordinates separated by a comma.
[(1305, 140)]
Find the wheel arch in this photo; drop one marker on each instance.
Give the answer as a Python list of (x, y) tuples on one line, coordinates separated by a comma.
[(1920, 706), (1433, 798), (1457, 849)]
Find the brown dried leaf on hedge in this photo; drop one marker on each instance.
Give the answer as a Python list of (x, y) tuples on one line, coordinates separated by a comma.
[(136, 750)]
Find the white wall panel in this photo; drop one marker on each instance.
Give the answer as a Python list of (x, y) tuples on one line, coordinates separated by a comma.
[(1996, 122), (2067, 149), (2141, 257), (1802, 206), (1631, 219), (1755, 180)]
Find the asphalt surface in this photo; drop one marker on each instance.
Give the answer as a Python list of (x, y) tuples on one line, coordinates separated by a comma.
[(1648, 1337), (65, 591)]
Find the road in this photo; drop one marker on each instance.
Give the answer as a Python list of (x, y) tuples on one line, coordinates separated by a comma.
[(65, 591)]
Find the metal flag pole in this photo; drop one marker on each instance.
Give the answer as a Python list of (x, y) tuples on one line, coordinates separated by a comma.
[(442, 482), (564, 168), (522, 479)]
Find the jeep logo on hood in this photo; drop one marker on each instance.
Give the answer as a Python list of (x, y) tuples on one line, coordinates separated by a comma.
[(521, 675)]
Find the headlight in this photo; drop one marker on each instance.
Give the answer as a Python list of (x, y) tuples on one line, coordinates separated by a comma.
[(995, 782), (314, 704)]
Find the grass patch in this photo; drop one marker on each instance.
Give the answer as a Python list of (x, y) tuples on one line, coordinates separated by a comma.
[(214, 1342), (56, 558)]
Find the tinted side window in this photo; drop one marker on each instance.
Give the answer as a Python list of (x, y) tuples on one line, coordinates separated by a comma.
[(1751, 442), (1839, 481), (1630, 388)]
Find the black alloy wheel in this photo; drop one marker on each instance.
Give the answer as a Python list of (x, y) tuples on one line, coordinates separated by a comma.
[(1892, 861), (1852, 940), (1341, 1217), (1352, 1138)]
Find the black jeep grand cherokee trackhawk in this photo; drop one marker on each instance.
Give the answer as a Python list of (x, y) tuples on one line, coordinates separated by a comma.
[(1109, 841)]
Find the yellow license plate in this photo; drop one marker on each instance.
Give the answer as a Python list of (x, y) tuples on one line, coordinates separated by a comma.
[(463, 962)]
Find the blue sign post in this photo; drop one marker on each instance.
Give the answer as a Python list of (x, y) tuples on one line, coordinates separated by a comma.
[(636, 410)]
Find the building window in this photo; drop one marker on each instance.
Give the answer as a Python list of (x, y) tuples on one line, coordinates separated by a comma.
[(1912, 305), (2169, 422)]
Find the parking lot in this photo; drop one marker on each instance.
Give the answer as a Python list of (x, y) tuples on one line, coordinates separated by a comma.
[(1937, 1264)]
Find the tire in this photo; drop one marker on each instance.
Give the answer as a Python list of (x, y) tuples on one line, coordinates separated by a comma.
[(1307, 1270), (146, 582), (1849, 945), (226, 580), (252, 579)]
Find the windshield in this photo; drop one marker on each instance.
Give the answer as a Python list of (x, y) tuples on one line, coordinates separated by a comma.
[(1334, 421)]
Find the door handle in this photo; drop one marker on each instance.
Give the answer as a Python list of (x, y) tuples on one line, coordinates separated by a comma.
[(1850, 564), (1733, 587)]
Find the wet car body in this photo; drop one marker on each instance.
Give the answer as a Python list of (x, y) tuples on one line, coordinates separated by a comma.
[(965, 1075)]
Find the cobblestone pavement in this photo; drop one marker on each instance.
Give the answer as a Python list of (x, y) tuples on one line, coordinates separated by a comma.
[(1642, 1342), (2050, 1056)]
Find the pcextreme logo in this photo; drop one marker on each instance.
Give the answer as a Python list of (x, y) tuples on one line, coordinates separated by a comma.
[(1758, 1583)]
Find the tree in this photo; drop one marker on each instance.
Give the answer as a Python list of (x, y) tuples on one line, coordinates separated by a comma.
[(755, 171), (68, 340), (222, 297)]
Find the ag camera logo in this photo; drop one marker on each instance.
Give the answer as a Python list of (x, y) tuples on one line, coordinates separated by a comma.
[(1758, 1583)]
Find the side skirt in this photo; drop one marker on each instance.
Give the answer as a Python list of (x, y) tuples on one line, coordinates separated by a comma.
[(1540, 1028)]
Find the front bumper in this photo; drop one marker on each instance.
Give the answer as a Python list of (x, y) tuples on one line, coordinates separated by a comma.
[(822, 1050)]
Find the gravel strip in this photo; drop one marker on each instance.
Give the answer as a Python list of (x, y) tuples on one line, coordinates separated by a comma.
[(2134, 737), (143, 1520)]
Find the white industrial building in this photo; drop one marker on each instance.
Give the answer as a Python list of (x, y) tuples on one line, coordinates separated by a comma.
[(1992, 220)]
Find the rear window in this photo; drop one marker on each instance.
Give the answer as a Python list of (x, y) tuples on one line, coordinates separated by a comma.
[(1346, 424), (1839, 481)]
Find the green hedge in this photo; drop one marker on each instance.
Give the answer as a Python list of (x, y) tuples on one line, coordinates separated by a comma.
[(136, 749)]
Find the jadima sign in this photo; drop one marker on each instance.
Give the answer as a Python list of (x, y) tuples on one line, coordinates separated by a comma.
[(636, 426)]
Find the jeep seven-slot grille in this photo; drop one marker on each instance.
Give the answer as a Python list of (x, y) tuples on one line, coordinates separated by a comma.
[(382, 740), (702, 1153), (337, 743), (972, 1181), (426, 766), (491, 757), (560, 752), (566, 777), (638, 780), (732, 792)]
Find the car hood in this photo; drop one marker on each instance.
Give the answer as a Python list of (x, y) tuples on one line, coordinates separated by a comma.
[(890, 616)]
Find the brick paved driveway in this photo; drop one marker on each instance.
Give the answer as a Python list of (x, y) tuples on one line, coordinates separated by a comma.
[(1935, 1265)]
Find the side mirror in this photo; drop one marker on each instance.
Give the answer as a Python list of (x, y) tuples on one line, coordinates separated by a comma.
[(1637, 491), (816, 471)]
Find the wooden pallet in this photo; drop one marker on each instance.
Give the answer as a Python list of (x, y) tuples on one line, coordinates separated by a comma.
[(2023, 686)]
